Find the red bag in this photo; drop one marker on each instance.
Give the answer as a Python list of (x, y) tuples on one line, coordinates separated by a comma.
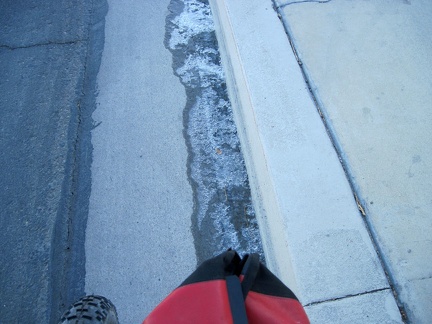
[(228, 289)]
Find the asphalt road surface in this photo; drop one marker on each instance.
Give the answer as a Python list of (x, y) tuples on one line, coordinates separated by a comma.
[(139, 244), (121, 169), (169, 185), (49, 56)]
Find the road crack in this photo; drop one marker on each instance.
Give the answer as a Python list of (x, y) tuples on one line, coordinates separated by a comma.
[(72, 42)]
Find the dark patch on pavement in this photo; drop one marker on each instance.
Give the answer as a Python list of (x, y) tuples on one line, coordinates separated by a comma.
[(49, 57)]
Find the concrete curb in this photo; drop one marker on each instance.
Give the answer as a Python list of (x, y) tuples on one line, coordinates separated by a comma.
[(313, 236)]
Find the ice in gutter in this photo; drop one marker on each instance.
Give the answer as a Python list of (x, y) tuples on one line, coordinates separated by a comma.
[(223, 214)]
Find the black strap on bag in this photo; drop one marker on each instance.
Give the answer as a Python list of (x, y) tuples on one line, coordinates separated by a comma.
[(236, 300), (249, 271)]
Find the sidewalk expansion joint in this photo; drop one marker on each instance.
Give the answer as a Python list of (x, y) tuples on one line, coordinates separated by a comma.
[(422, 278), (72, 42), (347, 296), (303, 1)]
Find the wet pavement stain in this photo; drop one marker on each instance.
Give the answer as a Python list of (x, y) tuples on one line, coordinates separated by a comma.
[(223, 215)]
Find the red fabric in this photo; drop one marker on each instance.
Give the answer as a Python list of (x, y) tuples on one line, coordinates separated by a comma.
[(203, 302), (267, 309)]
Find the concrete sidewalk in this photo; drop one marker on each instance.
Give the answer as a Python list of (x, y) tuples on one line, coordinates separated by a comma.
[(332, 101)]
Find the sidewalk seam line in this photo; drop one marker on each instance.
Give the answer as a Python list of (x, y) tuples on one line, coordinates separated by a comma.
[(342, 158), (303, 1), (347, 296)]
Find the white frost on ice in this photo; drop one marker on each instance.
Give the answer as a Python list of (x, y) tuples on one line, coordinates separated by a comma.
[(217, 165), (195, 18), (199, 70)]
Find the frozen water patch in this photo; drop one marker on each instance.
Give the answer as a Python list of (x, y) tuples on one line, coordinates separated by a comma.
[(223, 213), (217, 163), (199, 70), (193, 20)]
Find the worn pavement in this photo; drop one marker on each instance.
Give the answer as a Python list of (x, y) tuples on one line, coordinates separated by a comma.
[(49, 57)]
